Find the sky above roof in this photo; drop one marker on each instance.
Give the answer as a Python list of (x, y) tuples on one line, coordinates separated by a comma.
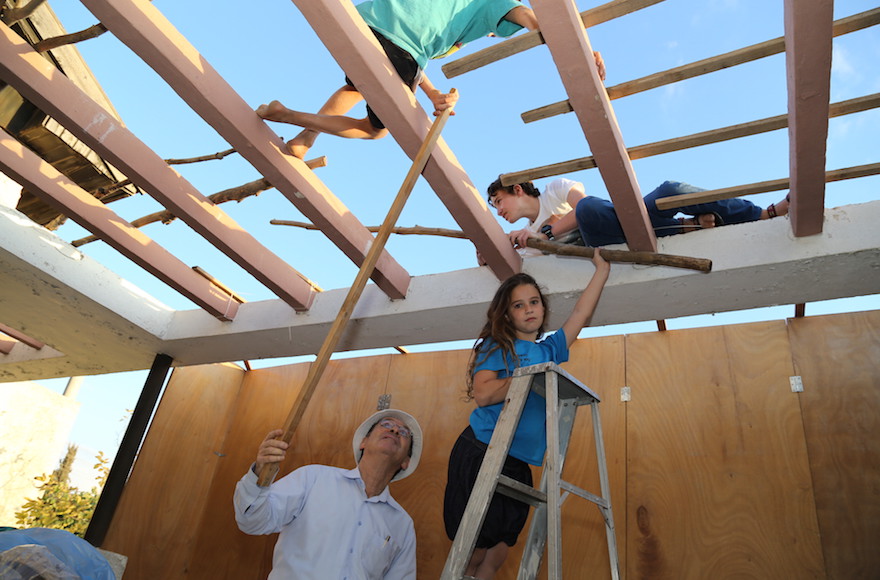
[(269, 52)]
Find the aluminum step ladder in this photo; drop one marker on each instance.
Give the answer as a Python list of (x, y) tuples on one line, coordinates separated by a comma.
[(564, 394)]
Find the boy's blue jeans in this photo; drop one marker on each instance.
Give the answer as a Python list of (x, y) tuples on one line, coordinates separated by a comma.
[(599, 225)]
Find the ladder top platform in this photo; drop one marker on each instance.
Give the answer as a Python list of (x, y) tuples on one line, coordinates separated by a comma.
[(569, 387)]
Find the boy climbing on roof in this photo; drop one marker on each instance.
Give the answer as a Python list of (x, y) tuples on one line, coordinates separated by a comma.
[(410, 32)]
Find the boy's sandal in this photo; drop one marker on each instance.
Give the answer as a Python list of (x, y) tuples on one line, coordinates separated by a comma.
[(771, 210)]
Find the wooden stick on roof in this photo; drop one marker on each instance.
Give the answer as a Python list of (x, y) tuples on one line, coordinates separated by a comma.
[(523, 42), (850, 106), (761, 187), (646, 258), (705, 66)]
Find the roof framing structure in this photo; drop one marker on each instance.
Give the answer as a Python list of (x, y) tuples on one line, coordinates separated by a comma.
[(65, 314)]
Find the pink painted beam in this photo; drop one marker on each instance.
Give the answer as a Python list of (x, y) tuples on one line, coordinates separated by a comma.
[(808, 33), (148, 33), (6, 346), (349, 40), (564, 34), (41, 83), (25, 167), (21, 337)]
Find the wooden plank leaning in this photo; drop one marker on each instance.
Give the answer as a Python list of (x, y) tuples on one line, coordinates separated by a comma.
[(269, 471)]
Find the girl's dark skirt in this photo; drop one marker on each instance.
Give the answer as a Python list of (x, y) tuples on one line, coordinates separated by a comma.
[(506, 516)]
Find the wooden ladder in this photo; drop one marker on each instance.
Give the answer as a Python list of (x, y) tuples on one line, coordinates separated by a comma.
[(563, 394)]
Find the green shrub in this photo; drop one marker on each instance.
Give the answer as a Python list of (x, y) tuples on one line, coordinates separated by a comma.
[(61, 506)]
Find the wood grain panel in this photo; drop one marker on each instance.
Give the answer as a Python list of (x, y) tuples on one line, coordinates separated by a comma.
[(837, 357), (430, 386), (222, 551), (168, 489), (718, 481), (599, 364)]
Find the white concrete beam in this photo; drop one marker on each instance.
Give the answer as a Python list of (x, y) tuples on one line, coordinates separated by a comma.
[(55, 188), (101, 324)]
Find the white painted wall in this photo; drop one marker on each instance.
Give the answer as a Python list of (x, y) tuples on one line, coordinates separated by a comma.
[(10, 191), (35, 425)]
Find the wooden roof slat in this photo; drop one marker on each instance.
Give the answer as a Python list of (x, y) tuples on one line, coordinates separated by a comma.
[(573, 55), (148, 33), (44, 180), (761, 187), (41, 83), (847, 107), (707, 65), (21, 337), (349, 40), (525, 41), (808, 66)]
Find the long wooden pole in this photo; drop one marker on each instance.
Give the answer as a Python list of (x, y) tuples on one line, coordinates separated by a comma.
[(270, 470), (646, 258)]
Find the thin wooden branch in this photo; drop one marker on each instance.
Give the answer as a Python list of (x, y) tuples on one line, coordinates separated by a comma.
[(211, 157), (13, 15), (416, 230), (646, 258), (761, 187), (523, 42), (708, 65), (72, 38), (850, 106), (232, 194)]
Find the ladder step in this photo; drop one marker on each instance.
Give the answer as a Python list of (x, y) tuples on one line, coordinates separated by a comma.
[(520, 491), (599, 501)]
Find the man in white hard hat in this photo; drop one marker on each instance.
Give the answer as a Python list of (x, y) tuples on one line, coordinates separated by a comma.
[(334, 522)]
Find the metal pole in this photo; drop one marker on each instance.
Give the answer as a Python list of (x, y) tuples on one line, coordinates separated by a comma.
[(128, 448)]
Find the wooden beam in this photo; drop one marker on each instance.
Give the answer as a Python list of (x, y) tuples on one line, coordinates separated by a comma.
[(707, 65), (41, 83), (43, 180), (848, 107), (808, 66), (148, 33), (761, 187), (800, 310), (355, 48), (21, 337), (573, 55), (523, 42), (6, 345)]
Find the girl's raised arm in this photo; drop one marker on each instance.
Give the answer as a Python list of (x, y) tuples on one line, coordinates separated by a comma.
[(583, 309)]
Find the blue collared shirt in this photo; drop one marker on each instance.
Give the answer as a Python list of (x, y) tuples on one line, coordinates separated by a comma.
[(329, 528)]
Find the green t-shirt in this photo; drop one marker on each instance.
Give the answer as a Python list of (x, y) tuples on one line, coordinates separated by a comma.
[(430, 28)]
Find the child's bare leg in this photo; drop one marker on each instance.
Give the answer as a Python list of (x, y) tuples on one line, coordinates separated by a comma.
[(339, 103), (492, 561), (775, 209), (476, 559)]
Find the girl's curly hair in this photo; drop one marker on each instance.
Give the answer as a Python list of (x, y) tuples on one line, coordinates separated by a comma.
[(499, 328)]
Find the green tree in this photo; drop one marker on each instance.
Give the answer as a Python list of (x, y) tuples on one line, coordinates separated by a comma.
[(60, 505)]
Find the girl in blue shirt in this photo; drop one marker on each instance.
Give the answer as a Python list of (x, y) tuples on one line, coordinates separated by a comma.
[(509, 340)]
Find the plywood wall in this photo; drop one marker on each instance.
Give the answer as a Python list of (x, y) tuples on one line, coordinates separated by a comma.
[(717, 469)]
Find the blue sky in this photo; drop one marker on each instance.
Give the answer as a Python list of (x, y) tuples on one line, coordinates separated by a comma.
[(271, 53)]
